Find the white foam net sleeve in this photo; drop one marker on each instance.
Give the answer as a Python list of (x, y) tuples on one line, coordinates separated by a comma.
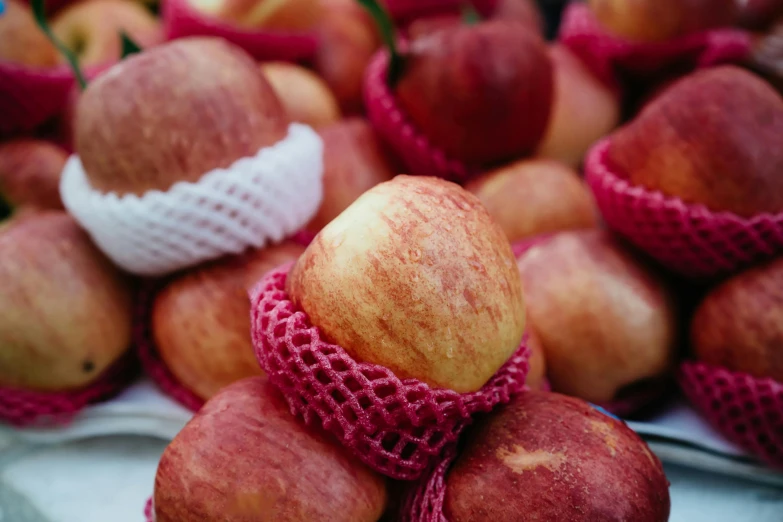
[(256, 201)]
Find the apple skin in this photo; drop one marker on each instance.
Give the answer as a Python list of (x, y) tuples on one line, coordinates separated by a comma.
[(535, 196), (304, 95), (584, 109), (91, 28), (758, 14), (659, 20), (245, 458), (65, 310), (354, 162), (710, 138), (201, 319), (494, 80), (605, 320), (21, 41), (536, 375), (30, 173), (173, 113), (281, 15), (739, 324), (545, 456), (415, 276), (524, 11)]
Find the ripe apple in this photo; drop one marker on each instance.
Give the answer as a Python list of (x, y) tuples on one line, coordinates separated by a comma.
[(30, 173), (584, 109), (304, 95), (712, 138), (605, 320), (739, 325), (173, 113), (201, 319), (535, 196), (245, 457), (524, 11), (415, 276), (284, 15), (545, 456), (21, 41), (354, 162), (65, 310)]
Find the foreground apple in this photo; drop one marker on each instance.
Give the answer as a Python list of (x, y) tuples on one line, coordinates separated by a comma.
[(30, 173), (606, 321), (711, 138), (305, 97), (415, 276), (244, 457), (21, 41), (201, 320), (286, 15), (549, 457), (65, 311)]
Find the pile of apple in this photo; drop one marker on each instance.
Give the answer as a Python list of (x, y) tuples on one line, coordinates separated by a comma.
[(403, 260)]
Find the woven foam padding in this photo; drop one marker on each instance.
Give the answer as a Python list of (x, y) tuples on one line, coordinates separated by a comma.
[(28, 97), (607, 54), (393, 126), (256, 201), (746, 409), (181, 20), (688, 239), (26, 408), (149, 513), (426, 498), (396, 426)]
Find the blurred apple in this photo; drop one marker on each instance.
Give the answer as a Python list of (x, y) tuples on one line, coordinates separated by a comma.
[(284, 15), (30, 173), (536, 375), (304, 95), (523, 11), (21, 41)]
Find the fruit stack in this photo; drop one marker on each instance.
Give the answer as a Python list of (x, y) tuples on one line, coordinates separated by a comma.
[(403, 260)]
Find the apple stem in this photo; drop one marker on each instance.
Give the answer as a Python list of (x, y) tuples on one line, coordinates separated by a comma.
[(128, 45), (39, 11), (386, 28)]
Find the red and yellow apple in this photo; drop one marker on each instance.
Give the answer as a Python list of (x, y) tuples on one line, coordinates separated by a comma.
[(304, 95), (283, 15), (21, 41), (30, 173)]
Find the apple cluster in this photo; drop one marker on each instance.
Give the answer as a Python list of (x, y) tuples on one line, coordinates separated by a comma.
[(403, 259)]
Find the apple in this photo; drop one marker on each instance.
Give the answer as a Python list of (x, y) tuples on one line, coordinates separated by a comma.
[(201, 319), (545, 456), (21, 41), (304, 95), (536, 375), (535, 196), (739, 324), (711, 138), (65, 309), (584, 109), (354, 162), (30, 173), (91, 29), (283, 15), (245, 457), (417, 277), (524, 11), (659, 20), (173, 113), (606, 321)]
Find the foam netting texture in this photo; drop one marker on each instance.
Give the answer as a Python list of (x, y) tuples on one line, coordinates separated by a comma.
[(393, 126), (149, 514), (257, 200), (28, 97), (396, 426), (746, 409), (425, 499), (181, 20), (607, 54), (27, 408), (688, 239)]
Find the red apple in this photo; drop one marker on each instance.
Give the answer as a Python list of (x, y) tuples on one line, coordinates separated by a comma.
[(201, 319), (739, 325), (65, 309), (21, 41), (524, 11), (415, 276), (354, 162), (549, 457), (482, 93), (284, 15), (173, 113), (536, 196), (605, 320), (30, 173), (711, 138), (305, 96), (244, 457)]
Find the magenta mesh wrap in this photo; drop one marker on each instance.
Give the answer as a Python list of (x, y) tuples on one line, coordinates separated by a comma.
[(688, 239), (409, 144), (148, 354), (746, 409), (27, 408), (303, 237), (149, 515), (607, 55), (424, 501), (179, 20), (395, 426), (29, 96)]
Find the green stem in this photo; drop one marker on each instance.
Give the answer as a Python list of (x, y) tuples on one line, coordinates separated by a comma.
[(386, 28), (128, 45), (39, 11)]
